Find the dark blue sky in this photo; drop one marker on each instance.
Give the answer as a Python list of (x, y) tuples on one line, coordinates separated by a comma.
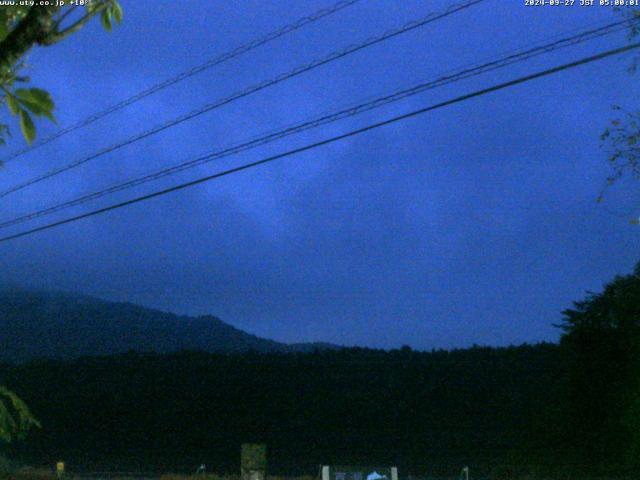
[(473, 224)]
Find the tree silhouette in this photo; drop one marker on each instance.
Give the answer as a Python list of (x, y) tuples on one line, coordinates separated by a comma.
[(602, 342)]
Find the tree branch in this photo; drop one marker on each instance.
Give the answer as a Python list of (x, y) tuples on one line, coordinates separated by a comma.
[(64, 15), (31, 30), (56, 36), (38, 28)]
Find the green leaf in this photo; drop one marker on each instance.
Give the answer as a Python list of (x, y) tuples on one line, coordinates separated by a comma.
[(27, 126), (117, 12), (37, 96), (50, 116), (37, 101), (32, 107), (13, 104), (15, 417), (105, 18)]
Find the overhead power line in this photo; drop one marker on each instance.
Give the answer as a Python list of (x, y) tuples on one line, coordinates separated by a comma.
[(222, 58), (448, 78), (352, 133), (250, 90)]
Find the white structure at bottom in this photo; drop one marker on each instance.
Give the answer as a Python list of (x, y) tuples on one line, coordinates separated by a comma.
[(329, 472)]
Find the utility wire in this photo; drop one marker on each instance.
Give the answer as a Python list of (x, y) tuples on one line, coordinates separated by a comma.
[(250, 90), (457, 75), (331, 140), (224, 57)]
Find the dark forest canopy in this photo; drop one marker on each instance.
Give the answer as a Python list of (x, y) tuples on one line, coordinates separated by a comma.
[(426, 411)]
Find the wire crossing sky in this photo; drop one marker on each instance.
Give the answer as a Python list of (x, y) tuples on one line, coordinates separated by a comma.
[(368, 128), (242, 49), (473, 224), (408, 27), (445, 79)]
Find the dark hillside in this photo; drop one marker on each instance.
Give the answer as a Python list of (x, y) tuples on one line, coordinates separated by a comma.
[(64, 326)]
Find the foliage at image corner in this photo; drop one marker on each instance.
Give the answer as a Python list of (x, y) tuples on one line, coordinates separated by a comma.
[(21, 28), (622, 137), (15, 417), (23, 103)]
